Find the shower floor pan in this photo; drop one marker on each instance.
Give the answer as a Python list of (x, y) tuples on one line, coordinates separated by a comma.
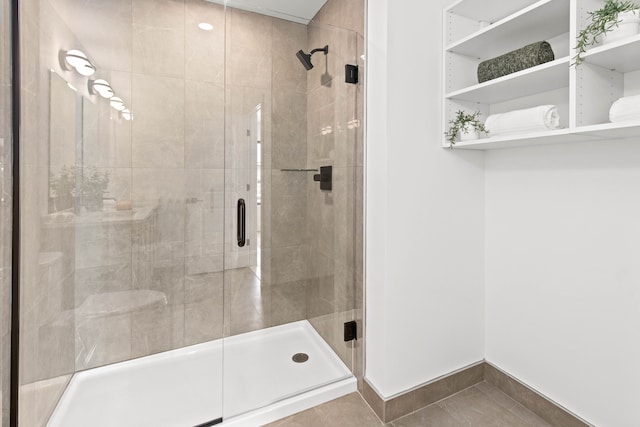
[(184, 387)]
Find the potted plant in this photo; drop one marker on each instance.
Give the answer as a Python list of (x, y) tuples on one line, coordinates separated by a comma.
[(465, 126), (63, 189), (614, 21), (92, 186)]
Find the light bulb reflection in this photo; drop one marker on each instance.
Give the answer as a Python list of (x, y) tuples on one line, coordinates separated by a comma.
[(117, 103), (78, 60), (101, 87), (127, 114)]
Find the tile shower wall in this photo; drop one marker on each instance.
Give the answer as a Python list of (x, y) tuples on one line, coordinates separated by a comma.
[(288, 246)]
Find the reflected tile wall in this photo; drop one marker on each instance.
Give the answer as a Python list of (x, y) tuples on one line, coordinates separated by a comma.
[(159, 124), (158, 35), (204, 52), (47, 325)]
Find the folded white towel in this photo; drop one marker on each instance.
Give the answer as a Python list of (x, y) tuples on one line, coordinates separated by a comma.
[(625, 108), (536, 119)]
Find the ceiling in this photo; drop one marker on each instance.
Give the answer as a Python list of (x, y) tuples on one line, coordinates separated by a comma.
[(301, 11)]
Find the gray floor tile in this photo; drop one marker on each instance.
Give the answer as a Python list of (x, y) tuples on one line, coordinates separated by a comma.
[(512, 406), (348, 411), (309, 418), (482, 405), (431, 416), (472, 408)]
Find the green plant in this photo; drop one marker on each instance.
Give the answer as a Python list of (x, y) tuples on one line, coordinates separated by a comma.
[(64, 184), (93, 183), (464, 122), (602, 21), (88, 184)]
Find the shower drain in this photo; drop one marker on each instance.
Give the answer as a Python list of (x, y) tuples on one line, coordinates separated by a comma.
[(300, 357)]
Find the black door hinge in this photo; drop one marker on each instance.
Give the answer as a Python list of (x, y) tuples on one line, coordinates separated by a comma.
[(350, 331), (351, 73)]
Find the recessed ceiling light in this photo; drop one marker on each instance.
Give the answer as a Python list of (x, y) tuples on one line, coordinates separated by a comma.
[(205, 26)]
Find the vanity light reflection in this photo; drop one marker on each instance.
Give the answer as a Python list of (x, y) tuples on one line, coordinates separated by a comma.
[(77, 60), (101, 87)]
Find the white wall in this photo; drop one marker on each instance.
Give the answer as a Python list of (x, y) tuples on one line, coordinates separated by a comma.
[(562, 246), (425, 207), (563, 274)]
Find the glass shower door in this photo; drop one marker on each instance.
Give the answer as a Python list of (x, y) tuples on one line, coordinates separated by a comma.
[(122, 212), (290, 245)]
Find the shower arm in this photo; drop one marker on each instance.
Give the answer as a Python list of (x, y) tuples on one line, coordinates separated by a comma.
[(323, 49)]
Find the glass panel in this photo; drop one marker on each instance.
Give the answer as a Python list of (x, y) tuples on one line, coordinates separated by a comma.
[(290, 287), (123, 210), (151, 130), (5, 211)]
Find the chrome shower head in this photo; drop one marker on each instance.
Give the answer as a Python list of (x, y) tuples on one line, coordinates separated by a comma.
[(305, 58)]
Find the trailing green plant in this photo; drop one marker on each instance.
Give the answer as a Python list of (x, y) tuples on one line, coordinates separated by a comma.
[(463, 123), (602, 21)]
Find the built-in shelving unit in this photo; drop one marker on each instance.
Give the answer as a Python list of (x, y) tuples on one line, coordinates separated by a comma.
[(477, 30), (545, 77), (622, 56)]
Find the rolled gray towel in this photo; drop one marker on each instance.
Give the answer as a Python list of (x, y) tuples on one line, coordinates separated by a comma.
[(517, 60)]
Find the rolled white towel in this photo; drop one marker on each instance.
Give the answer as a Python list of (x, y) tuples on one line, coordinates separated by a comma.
[(536, 119), (625, 109)]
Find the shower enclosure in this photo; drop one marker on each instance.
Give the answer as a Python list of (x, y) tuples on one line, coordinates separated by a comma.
[(191, 210)]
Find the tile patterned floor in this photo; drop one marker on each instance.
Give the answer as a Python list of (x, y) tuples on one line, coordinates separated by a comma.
[(479, 406)]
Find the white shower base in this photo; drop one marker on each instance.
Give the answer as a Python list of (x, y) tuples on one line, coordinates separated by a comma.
[(185, 387)]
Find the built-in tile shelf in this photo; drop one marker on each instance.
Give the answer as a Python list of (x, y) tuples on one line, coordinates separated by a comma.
[(475, 31)]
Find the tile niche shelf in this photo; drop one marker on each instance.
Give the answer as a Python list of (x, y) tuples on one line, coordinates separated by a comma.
[(476, 30)]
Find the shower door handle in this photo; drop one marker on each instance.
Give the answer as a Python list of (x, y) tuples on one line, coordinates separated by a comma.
[(241, 227)]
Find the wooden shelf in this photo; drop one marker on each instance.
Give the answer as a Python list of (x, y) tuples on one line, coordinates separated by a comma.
[(622, 56), (542, 20), (545, 77)]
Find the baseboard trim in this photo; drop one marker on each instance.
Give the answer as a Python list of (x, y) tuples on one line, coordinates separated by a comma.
[(424, 395), (536, 402)]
